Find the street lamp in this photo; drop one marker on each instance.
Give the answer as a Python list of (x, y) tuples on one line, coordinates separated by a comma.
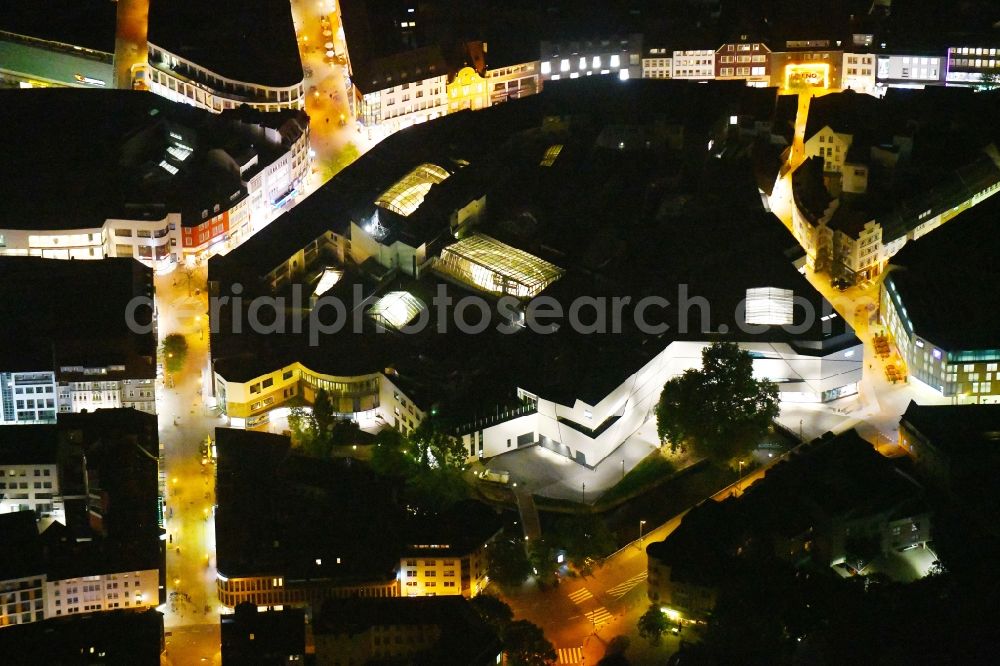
[(641, 523), (739, 484)]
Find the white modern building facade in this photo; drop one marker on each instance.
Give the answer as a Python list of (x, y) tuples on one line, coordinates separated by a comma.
[(28, 397), (32, 487), (693, 64), (859, 72), (137, 590), (405, 104), (587, 433), (657, 63)]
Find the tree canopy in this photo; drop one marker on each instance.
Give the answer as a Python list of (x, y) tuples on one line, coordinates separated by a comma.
[(526, 645), (652, 624), (175, 349), (720, 411), (507, 564)]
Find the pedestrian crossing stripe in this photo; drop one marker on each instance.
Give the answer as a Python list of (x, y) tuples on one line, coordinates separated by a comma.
[(580, 595), (573, 655), (599, 615), (623, 588)]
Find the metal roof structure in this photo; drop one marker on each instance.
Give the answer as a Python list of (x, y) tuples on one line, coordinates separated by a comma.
[(396, 309), (406, 195), (489, 265)]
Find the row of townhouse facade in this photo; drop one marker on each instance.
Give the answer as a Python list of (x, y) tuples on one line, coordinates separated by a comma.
[(39, 597), (421, 93), (422, 571), (858, 252)]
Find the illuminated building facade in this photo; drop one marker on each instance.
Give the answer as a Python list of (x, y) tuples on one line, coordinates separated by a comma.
[(506, 82), (859, 72), (657, 63), (693, 64), (370, 400), (398, 91), (910, 70), (967, 64), (616, 56), (807, 69), (214, 58), (468, 90), (744, 60)]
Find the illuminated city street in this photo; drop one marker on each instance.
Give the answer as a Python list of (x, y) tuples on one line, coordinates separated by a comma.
[(548, 334), (191, 611)]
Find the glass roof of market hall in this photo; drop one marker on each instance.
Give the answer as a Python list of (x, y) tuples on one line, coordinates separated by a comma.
[(496, 267), (396, 309), (406, 195)]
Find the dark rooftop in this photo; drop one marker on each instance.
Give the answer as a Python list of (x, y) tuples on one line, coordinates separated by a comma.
[(947, 279), (28, 445), (265, 638), (309, 524), (87, 23), (464, 637), (832, 478), (20, 548), (52, 318), (971, 431), (88, 639), (251, 41), (115, 157)]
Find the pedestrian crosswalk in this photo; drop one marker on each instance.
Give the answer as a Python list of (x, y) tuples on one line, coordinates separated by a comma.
[(599, 616), (573, 655), (580, 596), (623, 588)]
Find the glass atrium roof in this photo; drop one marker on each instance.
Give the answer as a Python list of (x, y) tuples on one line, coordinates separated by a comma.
[(396, 309), (496, 267), (409, 191), (551, 154)]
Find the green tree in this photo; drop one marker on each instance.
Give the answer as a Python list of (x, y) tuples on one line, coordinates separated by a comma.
[(583, 537), (493, 611), (431, 445), (175, 351), (720, 411), (435, 489), (507, 564), (652, 625), (323, 414), (526, 645), (990, 79), (542, 557)]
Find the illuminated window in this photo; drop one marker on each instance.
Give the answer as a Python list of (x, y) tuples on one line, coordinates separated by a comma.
[(616, 61), (769, 306), (596, 62), (564, 65), (546, 67), (583, 63)]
